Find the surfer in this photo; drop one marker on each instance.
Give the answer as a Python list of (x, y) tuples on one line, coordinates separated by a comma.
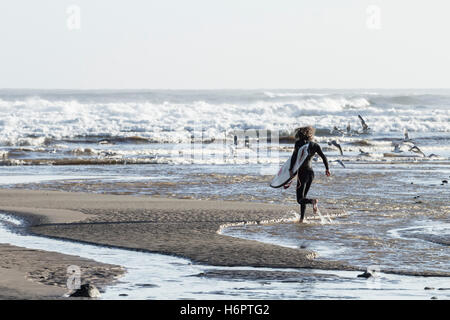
[(305, 173)]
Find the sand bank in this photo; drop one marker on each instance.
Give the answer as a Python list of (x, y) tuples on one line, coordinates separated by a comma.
[(186, 228), (37, 274)]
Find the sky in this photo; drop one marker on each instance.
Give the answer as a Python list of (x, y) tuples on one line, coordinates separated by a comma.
[(227, 44)]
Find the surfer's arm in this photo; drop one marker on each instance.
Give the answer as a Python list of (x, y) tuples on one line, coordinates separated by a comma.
[(324, 158)]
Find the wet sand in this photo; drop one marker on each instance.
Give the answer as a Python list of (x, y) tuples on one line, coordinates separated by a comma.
[(36, 274), (185, 228)]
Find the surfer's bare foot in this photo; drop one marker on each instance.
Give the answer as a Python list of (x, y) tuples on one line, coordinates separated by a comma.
[(314, 203)]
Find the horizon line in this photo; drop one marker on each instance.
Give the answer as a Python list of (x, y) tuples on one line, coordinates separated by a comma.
[(222, 89)]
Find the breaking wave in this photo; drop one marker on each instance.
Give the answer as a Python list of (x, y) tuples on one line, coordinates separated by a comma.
[(38, 120)]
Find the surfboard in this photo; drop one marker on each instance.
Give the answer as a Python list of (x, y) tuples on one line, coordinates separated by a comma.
[(283, 176)]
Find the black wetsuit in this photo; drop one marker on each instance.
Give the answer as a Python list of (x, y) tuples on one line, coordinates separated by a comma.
[(305, 175)]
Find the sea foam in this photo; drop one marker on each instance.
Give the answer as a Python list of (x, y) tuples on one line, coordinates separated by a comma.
[(29, 120)]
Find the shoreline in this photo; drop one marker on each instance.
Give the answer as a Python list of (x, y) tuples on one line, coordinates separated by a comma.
[(183, 228), (31, 274), (66, 216), (37, 274)]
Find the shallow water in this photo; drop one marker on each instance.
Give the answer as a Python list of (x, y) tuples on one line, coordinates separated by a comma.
[(420, 248), (155, 276), (379, 199), (228, 145)]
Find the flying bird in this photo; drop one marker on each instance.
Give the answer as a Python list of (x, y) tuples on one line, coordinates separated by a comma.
[(363, 124), (433, 155), (337, 145), (341, 163), (417, 150)]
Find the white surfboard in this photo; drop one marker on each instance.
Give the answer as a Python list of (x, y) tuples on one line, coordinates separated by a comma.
[(283, 176)]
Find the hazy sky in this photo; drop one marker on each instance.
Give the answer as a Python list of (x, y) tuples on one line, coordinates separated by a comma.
[(214, 44)]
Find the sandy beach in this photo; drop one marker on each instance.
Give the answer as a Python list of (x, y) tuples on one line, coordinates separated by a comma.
[(185, 228), (36, 274)]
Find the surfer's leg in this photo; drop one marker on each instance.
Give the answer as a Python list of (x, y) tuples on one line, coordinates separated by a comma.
[(300, 191), (308, 185), (309, 177), (303, 183)]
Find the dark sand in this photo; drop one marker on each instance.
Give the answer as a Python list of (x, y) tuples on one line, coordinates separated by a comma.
[(185, 228), (36, 274)]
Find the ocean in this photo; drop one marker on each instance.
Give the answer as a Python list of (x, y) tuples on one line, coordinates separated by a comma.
[(390, 182)]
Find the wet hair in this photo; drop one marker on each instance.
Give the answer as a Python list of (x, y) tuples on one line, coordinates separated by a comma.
[(305, 133)]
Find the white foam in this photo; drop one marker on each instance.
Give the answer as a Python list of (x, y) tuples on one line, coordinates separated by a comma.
[(38, 117), (19, 179)]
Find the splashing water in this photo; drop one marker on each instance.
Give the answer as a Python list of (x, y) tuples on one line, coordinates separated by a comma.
[(322, 218)]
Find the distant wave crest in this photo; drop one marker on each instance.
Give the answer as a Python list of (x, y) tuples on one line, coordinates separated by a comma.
[(32, 120)]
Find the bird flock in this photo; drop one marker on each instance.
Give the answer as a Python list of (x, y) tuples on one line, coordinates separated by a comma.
[(406, 144)]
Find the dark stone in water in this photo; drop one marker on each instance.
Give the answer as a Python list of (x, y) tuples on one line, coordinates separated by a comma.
[(123, 295), (428, 288), (433, 298), (366, 275), (444, 181), (86, 290), (444, 289)]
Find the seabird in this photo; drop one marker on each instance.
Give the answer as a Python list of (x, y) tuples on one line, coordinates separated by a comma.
[(417, 150), (363, 123), (337, 145), (338, 161), (433, 155), (337, 130), (397, 148), (362, 153), (405, 132)]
